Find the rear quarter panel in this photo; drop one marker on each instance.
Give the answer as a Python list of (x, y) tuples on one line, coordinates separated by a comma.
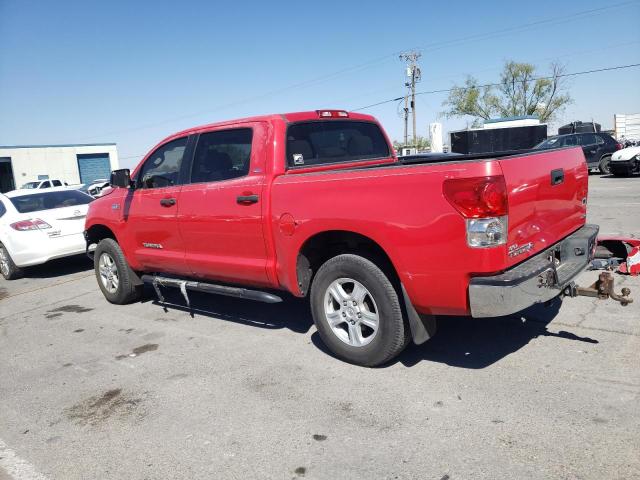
[(401, 208)]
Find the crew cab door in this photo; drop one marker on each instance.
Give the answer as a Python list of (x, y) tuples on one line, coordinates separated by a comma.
[(221, 209), (150, 211)]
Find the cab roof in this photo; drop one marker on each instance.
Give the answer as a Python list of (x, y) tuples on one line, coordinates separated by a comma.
[(287, 117)]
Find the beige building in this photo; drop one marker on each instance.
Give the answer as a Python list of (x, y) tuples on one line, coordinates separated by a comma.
[(73, 164)]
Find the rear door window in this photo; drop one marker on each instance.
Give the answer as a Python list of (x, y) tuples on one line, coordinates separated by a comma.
[(222, 155), (587, 139), (333, 141), (57, 183), (50, 200)]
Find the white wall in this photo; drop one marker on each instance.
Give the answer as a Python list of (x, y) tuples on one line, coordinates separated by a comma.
[(523, 122), (627, 125), (56, 161)]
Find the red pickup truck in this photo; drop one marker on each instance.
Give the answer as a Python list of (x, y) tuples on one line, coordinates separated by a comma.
[(317, 204)]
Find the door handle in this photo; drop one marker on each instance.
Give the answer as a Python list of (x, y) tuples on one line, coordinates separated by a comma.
[(168, 202), (557, 176), (247, 199)]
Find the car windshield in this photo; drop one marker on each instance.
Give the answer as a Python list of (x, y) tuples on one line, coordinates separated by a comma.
[(49, 200), (551, 142), (30, 185)]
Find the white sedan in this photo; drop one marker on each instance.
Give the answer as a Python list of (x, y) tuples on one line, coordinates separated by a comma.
[(41, 225)]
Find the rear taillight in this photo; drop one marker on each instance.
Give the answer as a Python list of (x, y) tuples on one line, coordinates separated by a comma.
[(477, 197), (31, 224), (482, 201), (619, 146)]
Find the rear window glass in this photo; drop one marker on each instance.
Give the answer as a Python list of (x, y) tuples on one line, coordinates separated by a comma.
[(49, 200), (331, 141)]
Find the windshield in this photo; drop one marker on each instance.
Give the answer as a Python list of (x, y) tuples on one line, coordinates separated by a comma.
[(31, 185), (551, 142), (50, 200)]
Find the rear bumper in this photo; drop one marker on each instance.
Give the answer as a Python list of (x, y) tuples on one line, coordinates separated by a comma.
[(625, 167), (536, 280), (46, 249)]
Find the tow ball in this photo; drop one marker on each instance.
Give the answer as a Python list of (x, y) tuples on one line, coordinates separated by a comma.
[(603, 288)]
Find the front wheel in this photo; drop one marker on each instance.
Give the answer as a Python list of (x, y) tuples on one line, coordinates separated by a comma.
[(115, 278), (357, 311), (605, 165)]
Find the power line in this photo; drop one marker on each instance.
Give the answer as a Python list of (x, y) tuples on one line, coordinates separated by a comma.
[(496, 84), (517, 28), (447, 90), (429, 47)]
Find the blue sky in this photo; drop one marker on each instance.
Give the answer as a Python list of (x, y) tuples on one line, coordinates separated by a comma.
[(134, 72)]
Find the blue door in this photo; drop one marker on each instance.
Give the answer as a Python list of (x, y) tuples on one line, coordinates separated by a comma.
[(93, 166)]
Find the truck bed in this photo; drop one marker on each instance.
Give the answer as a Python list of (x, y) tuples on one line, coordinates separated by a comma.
[(401, 206)]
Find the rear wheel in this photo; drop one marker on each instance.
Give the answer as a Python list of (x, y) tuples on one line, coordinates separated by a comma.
[(357, 311), (8, 269), (604, 165), (115, 278)]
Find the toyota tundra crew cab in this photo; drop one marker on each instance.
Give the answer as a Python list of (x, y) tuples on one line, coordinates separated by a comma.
[(318, 204)]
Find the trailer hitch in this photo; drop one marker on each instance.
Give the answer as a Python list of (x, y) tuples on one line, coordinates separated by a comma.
[(603, 288)]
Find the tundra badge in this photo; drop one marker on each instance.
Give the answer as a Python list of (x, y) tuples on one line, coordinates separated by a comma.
[(515, 249)]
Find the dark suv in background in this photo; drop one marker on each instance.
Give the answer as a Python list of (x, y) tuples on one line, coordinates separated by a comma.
[(597, 147)]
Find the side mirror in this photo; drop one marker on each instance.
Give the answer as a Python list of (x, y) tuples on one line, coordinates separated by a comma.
[(121, 178)]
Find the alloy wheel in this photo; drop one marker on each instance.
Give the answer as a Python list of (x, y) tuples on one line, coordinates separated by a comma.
[(351, 312), (4, 261), (108, 273)]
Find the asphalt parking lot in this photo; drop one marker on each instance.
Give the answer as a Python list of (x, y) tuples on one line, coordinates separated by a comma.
[(245, 390)]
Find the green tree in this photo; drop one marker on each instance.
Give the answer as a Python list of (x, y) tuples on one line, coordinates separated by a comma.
[(422, 144), (519, 92)]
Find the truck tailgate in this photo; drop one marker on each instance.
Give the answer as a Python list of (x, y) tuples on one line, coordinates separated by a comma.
[(547, 194)]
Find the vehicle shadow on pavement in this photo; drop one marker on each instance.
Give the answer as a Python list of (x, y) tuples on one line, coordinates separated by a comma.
[(59, 267), (476, 343), (462, 342), (292, 313)]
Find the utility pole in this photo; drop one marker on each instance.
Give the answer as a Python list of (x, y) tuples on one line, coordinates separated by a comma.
[(414, 75), (406, 119)]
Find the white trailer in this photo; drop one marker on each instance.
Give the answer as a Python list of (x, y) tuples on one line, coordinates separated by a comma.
[(627, 125)]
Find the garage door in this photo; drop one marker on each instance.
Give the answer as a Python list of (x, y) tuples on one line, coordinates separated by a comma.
[(93, 166)]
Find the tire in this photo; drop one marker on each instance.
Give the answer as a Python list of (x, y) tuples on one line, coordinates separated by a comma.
[(604, 165), (8, 269), (115, 278), (348, 329)]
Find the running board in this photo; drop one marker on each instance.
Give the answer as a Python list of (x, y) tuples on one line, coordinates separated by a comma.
[(184, 285)]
